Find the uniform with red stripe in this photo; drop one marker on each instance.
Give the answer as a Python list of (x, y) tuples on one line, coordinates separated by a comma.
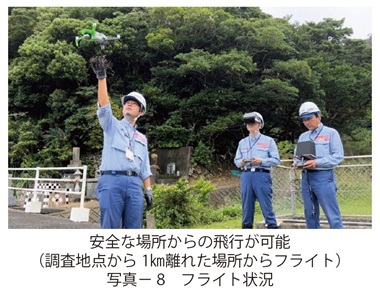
[(255, 155), (319, 186)]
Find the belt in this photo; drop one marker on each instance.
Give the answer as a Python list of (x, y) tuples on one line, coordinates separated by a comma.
[(314, 171), (308, 170), (125, 173), (257, 170)]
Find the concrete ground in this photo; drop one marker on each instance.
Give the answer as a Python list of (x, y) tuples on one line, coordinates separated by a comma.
[(19, 219), (294, 222)]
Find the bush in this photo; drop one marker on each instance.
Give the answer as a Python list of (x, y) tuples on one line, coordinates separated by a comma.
[(201, 190), (286, 149), (202, 156), (232, 211), (184, 206), (180, 205)]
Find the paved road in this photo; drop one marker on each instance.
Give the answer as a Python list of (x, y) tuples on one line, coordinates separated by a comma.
[(21, 220)]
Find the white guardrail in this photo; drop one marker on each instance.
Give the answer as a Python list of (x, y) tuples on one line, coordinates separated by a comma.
[(78, 214)]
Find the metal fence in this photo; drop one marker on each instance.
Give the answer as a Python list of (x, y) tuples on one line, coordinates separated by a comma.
[(354, 180), (39, 188)]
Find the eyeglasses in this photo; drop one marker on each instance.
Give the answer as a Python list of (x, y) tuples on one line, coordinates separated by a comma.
[(250, 121)]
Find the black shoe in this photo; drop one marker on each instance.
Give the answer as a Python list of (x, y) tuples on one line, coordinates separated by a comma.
[(273, 226)]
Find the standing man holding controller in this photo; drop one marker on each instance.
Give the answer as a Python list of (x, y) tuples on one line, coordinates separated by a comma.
[(125, 161), (255, 155), (318, 178)]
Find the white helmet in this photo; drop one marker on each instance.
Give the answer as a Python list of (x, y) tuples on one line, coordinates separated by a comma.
[(253, 117), (135, 96), (308, 109)]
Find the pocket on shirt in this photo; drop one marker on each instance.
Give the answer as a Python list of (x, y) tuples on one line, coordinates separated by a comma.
[(119, 145), (322, 148), (244, 151), (140, 149), (262, 153)]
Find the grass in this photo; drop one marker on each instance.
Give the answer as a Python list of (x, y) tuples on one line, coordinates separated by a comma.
[(349, 205), (229, 224), (354, 198), (233, 223)]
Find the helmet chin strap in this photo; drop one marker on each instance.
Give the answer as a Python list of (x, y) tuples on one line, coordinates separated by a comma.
[(131, 119), (137, 117)]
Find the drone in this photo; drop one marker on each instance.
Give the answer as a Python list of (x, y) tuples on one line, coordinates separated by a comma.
[(93, 35)]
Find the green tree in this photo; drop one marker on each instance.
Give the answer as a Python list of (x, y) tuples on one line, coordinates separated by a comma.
[(21, 22), (200, 69), (23, 141)]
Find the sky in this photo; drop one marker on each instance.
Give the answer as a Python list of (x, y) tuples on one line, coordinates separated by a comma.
[(357, 18)]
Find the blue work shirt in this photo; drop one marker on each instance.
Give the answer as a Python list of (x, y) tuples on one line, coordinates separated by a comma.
[(261, 146), (328, 146), (119, 135)]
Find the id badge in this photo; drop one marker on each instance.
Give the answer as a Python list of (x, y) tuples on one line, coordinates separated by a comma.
[(129, 155)]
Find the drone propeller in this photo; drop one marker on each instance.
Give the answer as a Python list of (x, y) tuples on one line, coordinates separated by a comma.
[(93, 35)]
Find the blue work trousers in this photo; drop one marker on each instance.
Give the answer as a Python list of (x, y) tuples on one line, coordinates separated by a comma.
[(257, 185), (121, 201), (319, 188)]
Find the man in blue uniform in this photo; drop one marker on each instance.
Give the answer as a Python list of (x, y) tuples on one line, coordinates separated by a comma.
[(255, 155), (125, 162), (318, 178)]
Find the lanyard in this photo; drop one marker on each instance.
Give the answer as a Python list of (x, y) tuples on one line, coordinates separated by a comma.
[(316, 135), (130, 140), (251, 146)]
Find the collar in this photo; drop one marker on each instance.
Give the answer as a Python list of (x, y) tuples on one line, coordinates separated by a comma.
[(127, 124), (320, 126), (254, 138)]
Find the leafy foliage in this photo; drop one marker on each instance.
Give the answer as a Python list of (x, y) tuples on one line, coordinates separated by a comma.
[(180, 205), (185, 206), (200, 69)]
